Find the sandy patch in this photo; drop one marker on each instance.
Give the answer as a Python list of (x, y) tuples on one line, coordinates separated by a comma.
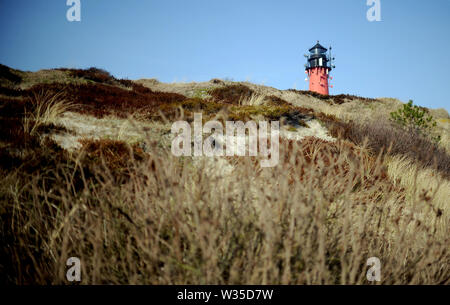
[(85, 126)]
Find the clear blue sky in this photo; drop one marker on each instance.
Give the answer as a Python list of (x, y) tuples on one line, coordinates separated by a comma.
[(406, 55)]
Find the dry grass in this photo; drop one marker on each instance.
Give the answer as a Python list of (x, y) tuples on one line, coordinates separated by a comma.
[(151, 218), (443, 125), (383, 136), (416, 180), (253, 100), (313, 219), (46, 109)]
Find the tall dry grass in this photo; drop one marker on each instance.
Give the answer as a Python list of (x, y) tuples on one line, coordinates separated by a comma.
[(252, 100), (46, 108), (313, 219), (417, 180), (151, 218), (385, 136)]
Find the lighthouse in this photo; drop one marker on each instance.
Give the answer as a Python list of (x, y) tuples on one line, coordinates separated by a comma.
[(318, 68)]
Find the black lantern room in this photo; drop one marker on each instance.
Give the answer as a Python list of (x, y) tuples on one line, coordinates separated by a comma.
[(318, 57)]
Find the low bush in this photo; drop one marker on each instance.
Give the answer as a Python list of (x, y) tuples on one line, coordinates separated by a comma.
[(415, 118)]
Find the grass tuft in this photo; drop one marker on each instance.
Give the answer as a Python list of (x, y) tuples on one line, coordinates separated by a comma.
[(46, 108)]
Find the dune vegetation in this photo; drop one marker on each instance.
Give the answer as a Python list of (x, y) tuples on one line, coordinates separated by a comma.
[(87, 171)]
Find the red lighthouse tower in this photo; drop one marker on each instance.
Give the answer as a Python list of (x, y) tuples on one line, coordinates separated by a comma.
[(318, 68)]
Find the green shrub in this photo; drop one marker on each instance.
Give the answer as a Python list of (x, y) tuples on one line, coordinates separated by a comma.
[(414, 117)]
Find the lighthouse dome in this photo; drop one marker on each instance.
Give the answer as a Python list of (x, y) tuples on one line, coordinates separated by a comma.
[(317, 49)]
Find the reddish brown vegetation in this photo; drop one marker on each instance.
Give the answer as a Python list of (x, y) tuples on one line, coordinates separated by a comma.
[(334, 99), (12, 113), (275, 100), (115, 154), (101, 100), (231, 94)]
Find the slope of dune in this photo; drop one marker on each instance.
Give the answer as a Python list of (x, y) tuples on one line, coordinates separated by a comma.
[(87, 170)]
